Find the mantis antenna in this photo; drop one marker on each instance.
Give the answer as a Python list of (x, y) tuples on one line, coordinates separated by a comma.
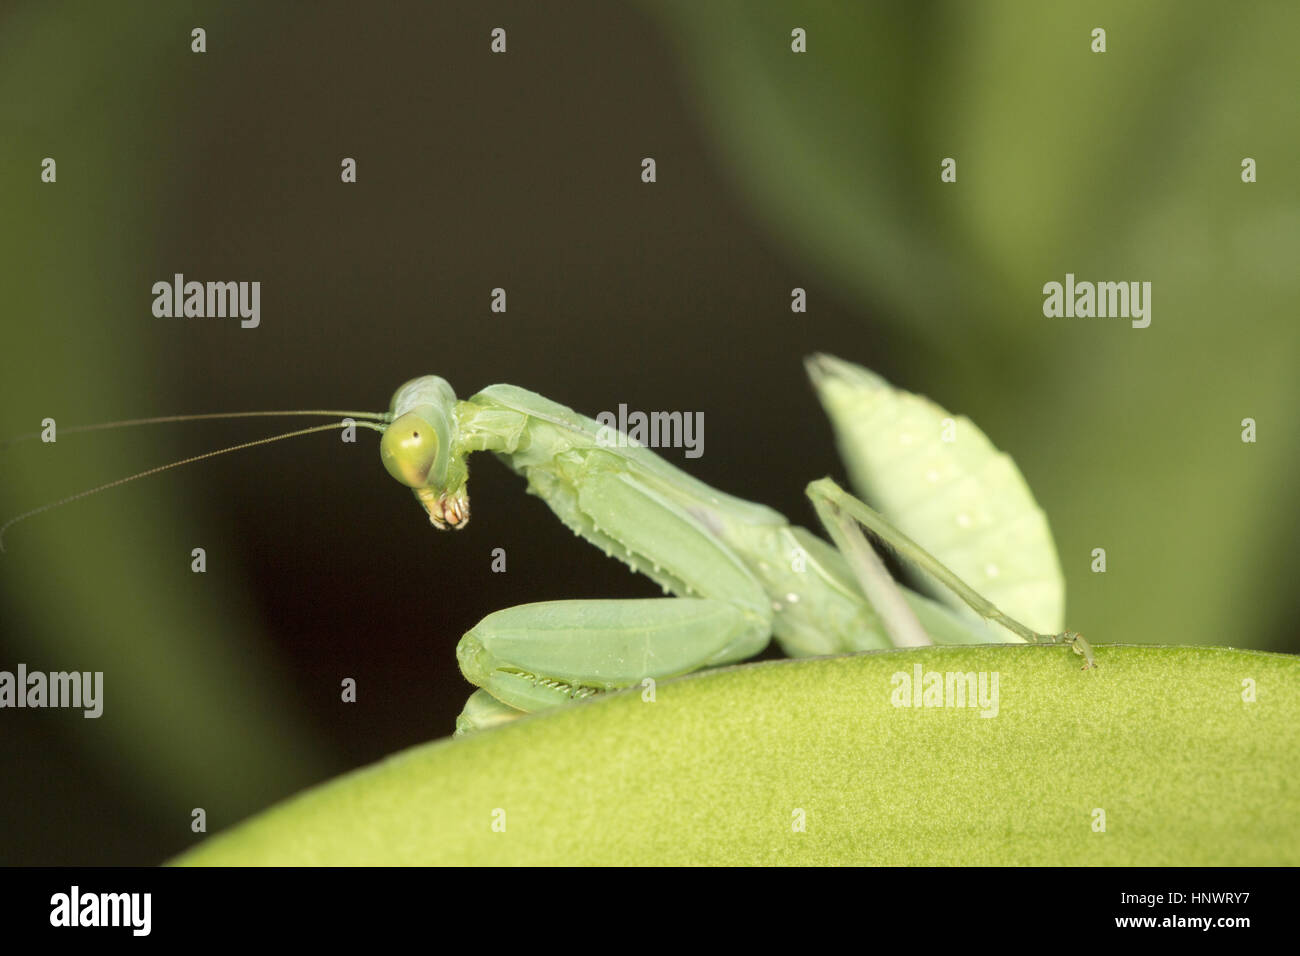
[(186, 461), (207, 416)]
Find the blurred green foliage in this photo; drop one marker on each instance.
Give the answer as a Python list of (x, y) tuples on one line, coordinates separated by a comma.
[(194, 715), (1115, 166)]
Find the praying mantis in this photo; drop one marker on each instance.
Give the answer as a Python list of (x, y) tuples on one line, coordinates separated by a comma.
[(740, 573)]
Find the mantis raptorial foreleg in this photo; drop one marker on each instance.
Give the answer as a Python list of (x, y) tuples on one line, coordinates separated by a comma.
[(483, 711), (539, 655), (536, 656)]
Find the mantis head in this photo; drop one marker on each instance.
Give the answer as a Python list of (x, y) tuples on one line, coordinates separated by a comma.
[(421, 449)]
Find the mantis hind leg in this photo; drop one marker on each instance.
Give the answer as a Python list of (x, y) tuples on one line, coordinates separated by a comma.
[(842, 512), (899, 620)]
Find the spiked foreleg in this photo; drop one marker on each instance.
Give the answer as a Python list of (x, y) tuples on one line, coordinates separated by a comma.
[(540, 655)]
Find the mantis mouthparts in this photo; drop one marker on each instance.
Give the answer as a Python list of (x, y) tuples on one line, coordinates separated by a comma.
[(445, 510)]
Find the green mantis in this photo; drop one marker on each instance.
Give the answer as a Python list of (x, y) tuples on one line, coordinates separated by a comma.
[(739, 573)]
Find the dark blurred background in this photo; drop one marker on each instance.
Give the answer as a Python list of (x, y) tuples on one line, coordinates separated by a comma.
[(522, 170)]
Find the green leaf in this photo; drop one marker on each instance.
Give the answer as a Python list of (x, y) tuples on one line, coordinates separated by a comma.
[(958, 497), (1161, 739)]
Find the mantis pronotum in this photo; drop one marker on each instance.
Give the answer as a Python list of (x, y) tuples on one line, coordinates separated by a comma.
[(741, 572)]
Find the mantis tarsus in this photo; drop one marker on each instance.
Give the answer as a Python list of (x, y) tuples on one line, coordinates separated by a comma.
[(741, 572)]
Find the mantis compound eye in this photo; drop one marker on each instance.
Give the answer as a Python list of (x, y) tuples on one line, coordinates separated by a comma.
[(409, 449)]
